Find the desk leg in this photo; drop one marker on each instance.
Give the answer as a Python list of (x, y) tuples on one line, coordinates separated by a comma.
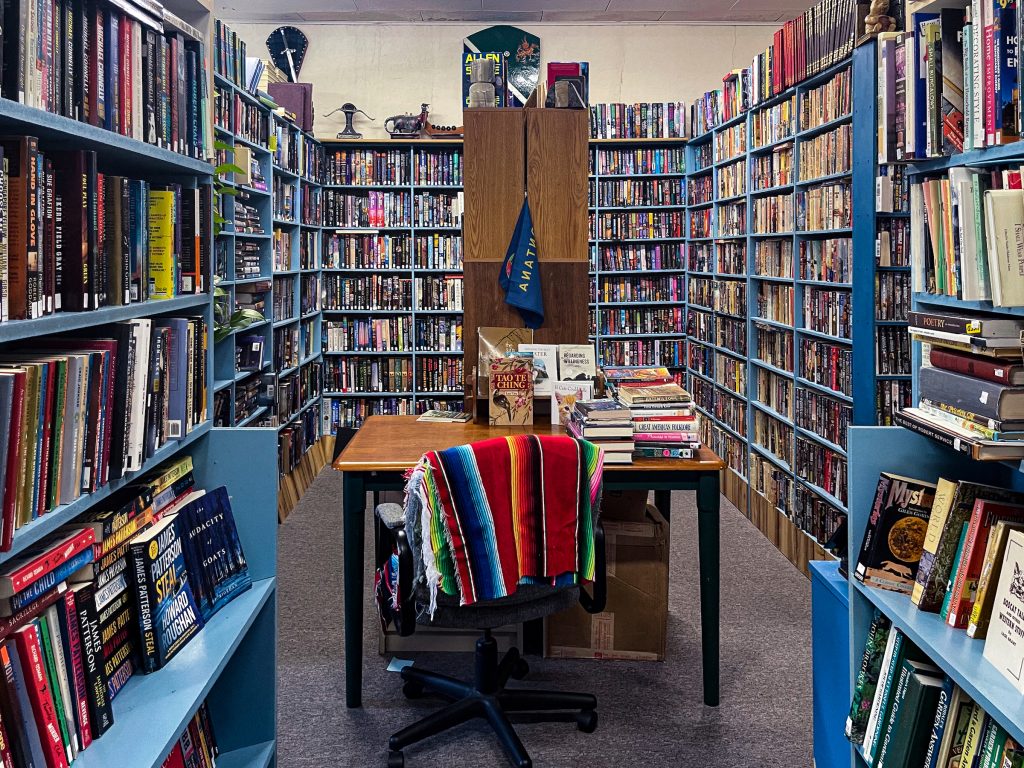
[(354, 507), (708, 535), (663, 501)]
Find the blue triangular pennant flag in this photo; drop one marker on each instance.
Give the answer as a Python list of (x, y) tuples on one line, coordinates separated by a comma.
[(520, 272)]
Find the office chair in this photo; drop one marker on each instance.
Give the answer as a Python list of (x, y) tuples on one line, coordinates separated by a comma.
[(486, 696)]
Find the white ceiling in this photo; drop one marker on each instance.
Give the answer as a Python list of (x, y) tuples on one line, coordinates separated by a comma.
[(513, 11)]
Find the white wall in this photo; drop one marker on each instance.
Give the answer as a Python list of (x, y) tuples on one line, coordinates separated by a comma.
[(388, 69)]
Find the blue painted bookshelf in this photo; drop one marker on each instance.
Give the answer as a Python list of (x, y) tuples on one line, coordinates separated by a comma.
[(231, 663)]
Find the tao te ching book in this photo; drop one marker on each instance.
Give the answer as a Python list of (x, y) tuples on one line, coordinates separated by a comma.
[(1004, 646)]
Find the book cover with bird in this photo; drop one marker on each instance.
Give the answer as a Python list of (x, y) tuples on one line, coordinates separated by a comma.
[(511, 388)]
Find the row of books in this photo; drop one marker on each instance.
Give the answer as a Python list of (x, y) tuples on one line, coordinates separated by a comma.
[(962, 235), (393, 167), (121, 590), (133, 68), (78, 239), (638, 121), (815, 40), (77, 413)]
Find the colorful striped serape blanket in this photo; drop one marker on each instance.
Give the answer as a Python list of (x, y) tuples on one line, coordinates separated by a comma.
[(503, 512)]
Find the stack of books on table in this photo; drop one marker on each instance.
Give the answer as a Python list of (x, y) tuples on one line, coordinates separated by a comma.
[(605, 423), (971, 388), (661, 412)]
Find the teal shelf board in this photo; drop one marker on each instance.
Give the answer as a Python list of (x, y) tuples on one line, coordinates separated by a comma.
[(731, 160), (288, 371), (727, 351), (42, 526), (115, 151), (812, 435), (251, 144), (731, 198), (245, 373), (648, 207), (823, 179), (824, 232), (261, 411), (951, 302), (441, 393), (286, 321), (824, 76), (285, 272), (825, 283), (279, 222), (286, 172), (699, 375), (893, 214), (823, 388), (253, 327), (988, 156), (253, 235), (331, 393), (771, 411), (778, 235), (772, 278), (438, 352), (666, 334), (892, 322), (284, 423), (438, 186), (773, 323), (254, 190), (652, 240), (726, 389), (895, 268), (735, 276), (698, 206), (161, 704), (691, 272), (378, 311), (437, 270), (699, 307), (778, 189), (809, 133), (733, 315), (723, 425), (830, 498), (437, 227), (824, 336), (708, 239), (367, 353), (62, 322), (360, 270), (726, 124), (638, 303), (438, 311), (220, 384), (773, 368), (665, 175), (307, 360), (311, 314), (366, 230), (701, 171), (308, 225), (959, 656), (250, 280), (738, 236), (773, 145), (310, 270), (894, 376), (367, 186), (779, 462), (255, 756)]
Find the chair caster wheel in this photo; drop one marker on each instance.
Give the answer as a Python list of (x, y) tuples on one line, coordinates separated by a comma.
[(412, 690), (396, 760), (586, 721), (520, 669)]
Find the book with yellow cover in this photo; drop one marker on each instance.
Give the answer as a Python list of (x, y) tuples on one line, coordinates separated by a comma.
[(162, 277)]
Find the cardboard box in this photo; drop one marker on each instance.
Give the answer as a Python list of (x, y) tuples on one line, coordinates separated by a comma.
[(633, 624)]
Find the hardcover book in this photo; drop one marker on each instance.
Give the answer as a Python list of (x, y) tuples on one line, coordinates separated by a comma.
[(1004, 646), (995, 551), (494, 343), (510, 383), (576, 362), (166, 608), (565, 396), (893, 540), (213, 551), (545, 367)]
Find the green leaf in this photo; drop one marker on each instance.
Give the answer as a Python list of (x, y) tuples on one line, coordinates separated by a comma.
[(227, 168), (219, 292), (228, 191), (221, 333), (223, 145), (243, 318)]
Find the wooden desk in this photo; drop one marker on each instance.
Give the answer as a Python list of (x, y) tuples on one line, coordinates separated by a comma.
[(386, 446)]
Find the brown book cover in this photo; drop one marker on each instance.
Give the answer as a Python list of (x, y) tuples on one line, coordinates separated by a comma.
[(511, 386), (296, 98)]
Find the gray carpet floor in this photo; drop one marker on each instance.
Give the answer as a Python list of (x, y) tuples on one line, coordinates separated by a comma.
[(651, 714)]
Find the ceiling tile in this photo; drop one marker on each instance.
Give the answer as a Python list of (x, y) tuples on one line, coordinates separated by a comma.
[(414, 6), (720, 16), (357, 16), (665, 5), (582, 16), (511, 6), (505, 16), (245, 13)]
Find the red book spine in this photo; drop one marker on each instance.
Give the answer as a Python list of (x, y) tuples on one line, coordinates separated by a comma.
[(6, 756), (13, 449), (77, 662), (38, 685), (32, 571), (125, 96), (983, 369), (175, 759)]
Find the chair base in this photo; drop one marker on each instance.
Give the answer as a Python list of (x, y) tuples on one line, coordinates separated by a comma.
[(487, 698)]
